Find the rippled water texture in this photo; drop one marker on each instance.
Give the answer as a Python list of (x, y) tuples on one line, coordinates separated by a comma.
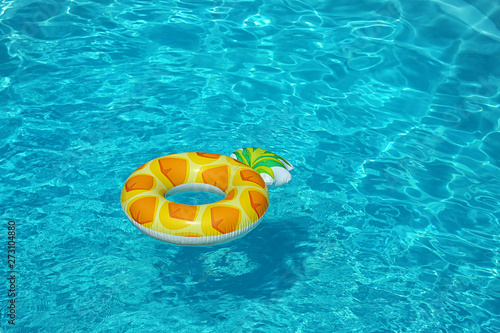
[(388, 109)]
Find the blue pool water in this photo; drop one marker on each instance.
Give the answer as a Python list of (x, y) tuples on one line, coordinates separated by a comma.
[(389, 111)]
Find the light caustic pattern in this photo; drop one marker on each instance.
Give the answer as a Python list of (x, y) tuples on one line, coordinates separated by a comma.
[(246, 195)]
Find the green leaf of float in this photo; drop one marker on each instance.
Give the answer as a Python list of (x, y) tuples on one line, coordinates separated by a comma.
[(261, 160), (240, 157), (266, 165)]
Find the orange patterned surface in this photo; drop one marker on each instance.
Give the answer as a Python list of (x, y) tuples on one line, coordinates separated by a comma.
[(252, 176), (208, 155), (203, 158), (224, 219), (140, 182), (258, 202), (218, 177), (182, 212), (143, 195), (174, 169), (230, 195), (143, 210)]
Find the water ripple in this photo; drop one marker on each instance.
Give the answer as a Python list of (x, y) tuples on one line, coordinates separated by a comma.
[(387, 109)]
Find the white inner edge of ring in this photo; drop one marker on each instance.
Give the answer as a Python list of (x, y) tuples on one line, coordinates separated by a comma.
[(195, 187)]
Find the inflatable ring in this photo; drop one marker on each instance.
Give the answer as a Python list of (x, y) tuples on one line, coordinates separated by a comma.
[(144, 197)]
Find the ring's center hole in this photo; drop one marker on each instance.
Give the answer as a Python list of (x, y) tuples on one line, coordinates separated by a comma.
[(195, 194)]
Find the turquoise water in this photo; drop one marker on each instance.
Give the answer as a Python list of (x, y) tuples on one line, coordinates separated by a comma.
[(389, 111)]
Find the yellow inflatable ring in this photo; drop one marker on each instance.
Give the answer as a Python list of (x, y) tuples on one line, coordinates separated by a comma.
[(144, 198)]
